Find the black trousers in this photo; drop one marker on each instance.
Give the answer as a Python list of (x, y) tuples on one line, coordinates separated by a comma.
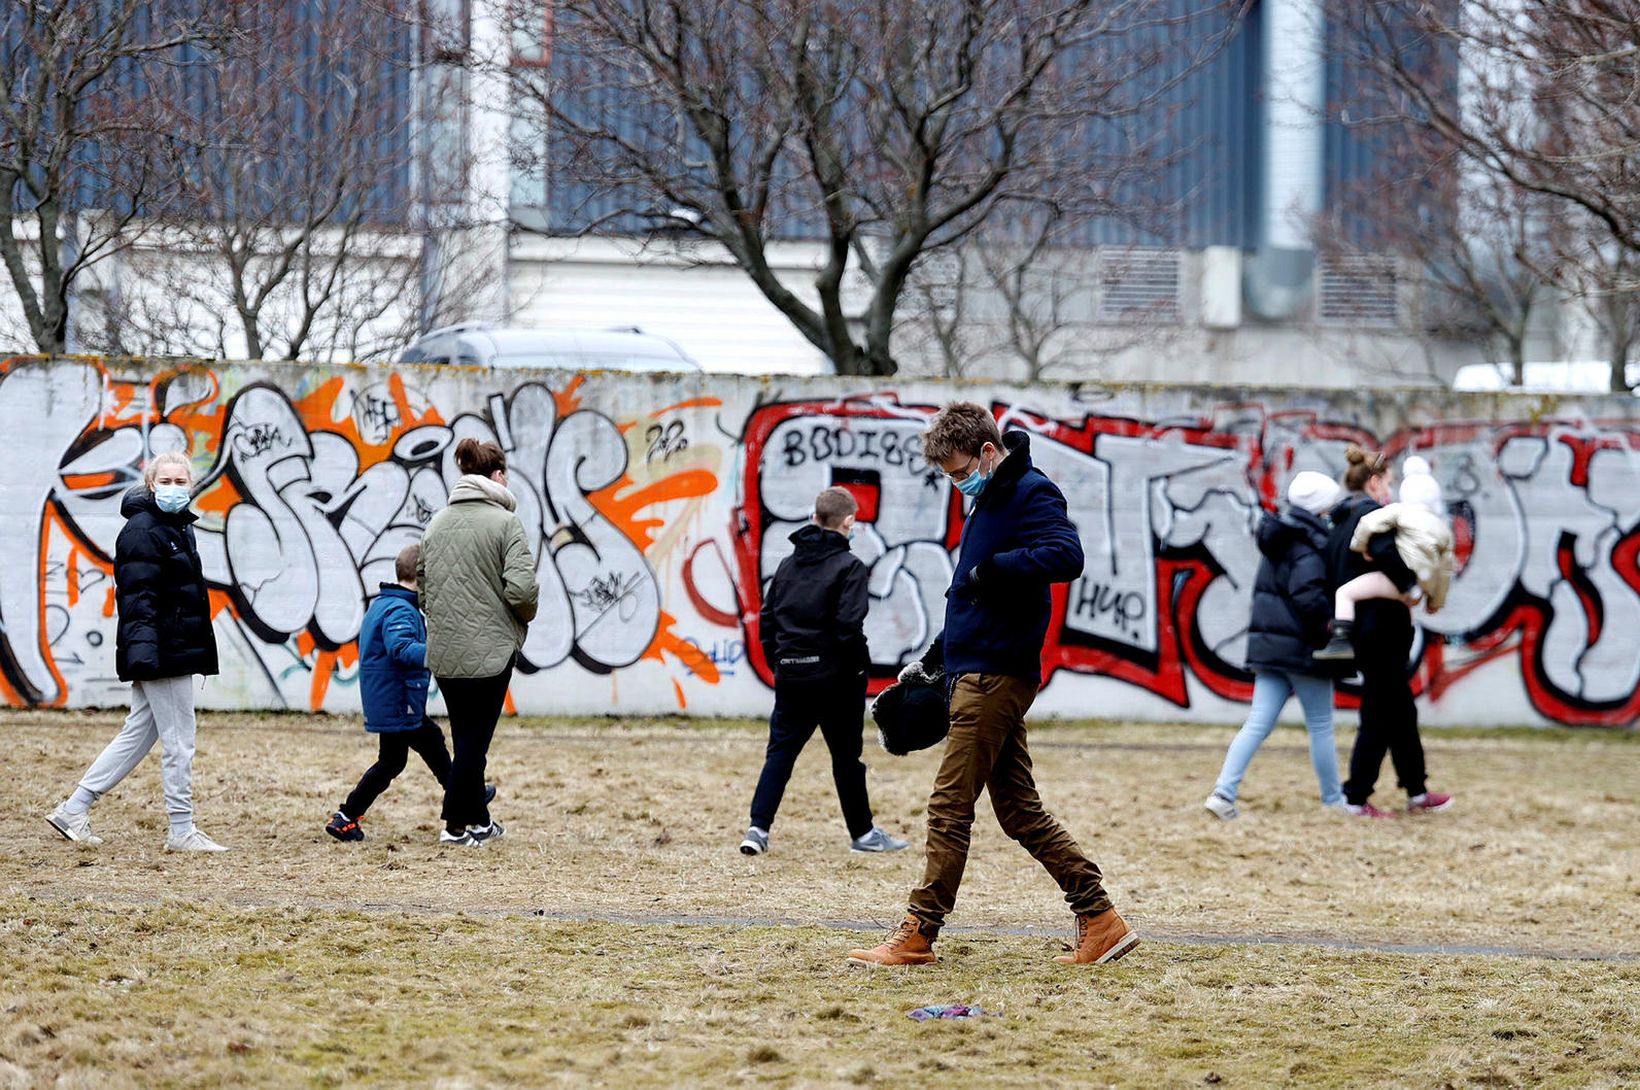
[(1389, 716), (426, 741), (474, 705), (835, 706)]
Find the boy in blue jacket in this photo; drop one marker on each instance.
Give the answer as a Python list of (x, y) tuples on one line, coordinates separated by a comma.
[(393, 679), (1017, 541)]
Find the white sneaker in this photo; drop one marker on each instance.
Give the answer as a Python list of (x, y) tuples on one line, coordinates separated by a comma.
[(195, 841), (481, 835), (756, 842), (75, 827), (1223, 808), (876, 841)]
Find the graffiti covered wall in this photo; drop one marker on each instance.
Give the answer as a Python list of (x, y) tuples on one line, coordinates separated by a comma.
[(657, 505)]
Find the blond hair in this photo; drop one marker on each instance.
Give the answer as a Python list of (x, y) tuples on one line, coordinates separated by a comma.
[(166, 458)]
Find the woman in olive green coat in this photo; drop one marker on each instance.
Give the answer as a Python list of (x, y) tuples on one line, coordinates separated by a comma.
[(478, 589)]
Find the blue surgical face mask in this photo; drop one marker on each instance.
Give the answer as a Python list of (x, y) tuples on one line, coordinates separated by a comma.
[(171, 497)]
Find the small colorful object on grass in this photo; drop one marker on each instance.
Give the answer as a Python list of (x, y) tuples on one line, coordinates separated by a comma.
[(951, 1011)]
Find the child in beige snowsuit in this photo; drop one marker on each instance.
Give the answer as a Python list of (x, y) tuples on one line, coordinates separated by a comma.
[(1423, 540)]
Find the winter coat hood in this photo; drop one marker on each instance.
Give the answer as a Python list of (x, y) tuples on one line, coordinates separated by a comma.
[(471, 488), (1276, 534), (816, 543)]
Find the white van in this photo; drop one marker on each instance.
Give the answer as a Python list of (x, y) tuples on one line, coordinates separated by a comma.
[(479, 344), (1559, 377)]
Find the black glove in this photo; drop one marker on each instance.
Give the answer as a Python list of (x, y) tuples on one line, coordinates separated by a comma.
[(978, 582)]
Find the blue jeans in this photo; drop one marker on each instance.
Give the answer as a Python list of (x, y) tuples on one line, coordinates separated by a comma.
[(1270, 692)]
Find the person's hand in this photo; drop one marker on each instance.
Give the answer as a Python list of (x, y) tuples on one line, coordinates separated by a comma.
[(977, 581), (1410, 599), (1432, 610)]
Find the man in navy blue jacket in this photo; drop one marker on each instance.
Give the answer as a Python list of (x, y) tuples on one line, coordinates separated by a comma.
[(1017, 541)]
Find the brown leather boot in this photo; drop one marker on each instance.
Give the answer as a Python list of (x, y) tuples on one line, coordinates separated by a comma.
[(910, 944), (1099, 939)]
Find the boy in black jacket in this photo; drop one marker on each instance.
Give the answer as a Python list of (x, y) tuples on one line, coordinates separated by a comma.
[(813, 636)]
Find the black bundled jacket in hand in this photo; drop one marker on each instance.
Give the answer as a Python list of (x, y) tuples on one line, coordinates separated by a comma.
[(1292, 599), (813, 621), (164, 611)]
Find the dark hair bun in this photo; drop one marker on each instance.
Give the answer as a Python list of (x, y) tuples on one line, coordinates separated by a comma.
[(479, 457)]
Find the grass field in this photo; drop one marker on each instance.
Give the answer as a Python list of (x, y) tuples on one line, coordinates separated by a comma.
[(294, 960)]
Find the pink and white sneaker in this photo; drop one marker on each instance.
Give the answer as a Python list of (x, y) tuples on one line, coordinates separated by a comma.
[(1366, 810), (1430, 802)]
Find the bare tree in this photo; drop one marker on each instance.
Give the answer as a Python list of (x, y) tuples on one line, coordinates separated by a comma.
[(1487, 252), (1606, 283), (1539, 96), (78, 135), (296, 196), (881, 131)]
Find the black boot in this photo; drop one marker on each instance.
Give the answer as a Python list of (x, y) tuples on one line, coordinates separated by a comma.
[(1339, 648)]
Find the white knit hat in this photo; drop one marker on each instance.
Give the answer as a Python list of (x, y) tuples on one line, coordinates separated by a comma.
[(1419, 486), (1314, 492)]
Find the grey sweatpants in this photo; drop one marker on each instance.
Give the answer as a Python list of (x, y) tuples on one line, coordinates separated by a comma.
[(161, 711)]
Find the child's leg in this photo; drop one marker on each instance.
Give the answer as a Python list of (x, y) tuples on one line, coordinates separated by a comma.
[(395, 748), (1360, 589), (841, 723), (428, 742), (790, 728)]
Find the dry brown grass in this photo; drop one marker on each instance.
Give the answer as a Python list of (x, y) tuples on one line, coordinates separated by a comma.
[(1539, 852), (258, 967), (212, 996)]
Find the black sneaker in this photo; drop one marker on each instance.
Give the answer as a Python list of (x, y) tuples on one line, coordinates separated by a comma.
[(343, 827), (1339, 648), (489, 793), (483, 834)]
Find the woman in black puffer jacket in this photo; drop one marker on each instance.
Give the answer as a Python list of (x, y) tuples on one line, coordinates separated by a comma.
[(1292, 605), (164, 638)]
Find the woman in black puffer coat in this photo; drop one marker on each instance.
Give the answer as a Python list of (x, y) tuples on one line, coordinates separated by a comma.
[(1292, 605), (164, 638)]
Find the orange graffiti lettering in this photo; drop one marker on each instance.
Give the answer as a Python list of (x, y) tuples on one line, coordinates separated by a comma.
[(622, 501)]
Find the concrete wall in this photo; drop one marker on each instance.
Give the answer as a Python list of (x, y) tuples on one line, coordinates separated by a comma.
[(657, 505)]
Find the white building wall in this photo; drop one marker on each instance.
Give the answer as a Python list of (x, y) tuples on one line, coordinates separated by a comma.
[(705, 304)]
